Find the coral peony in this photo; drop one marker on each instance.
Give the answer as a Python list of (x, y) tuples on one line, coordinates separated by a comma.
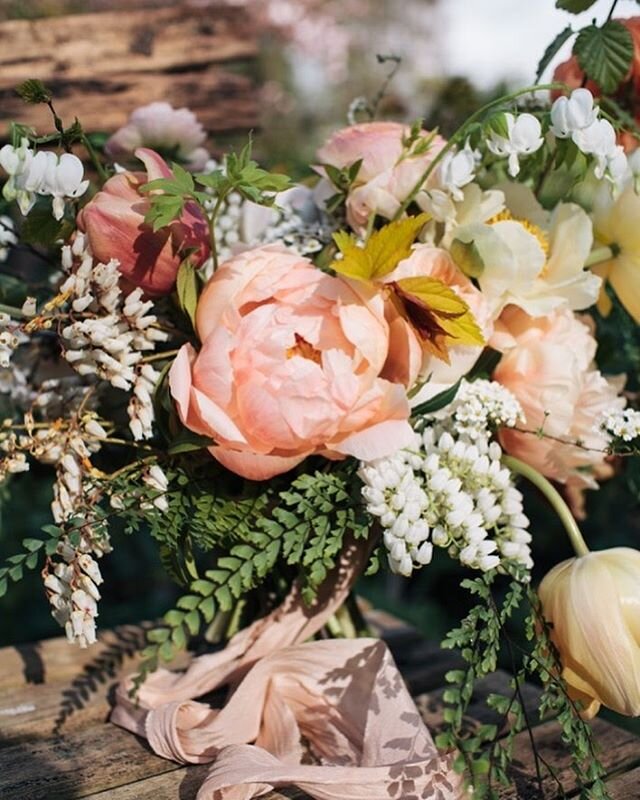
[(114, 223), (290, 365), (387, 174), (592, 603), (548, 366)]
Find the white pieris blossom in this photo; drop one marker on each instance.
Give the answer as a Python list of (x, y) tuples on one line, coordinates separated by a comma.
[(447, 493), (570, 115), (456, 170), (43, 173), (523, 137), (112, 333), (155, 478), (623, 424)]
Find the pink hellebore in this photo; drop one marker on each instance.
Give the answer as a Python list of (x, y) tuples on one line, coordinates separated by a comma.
[(114, 223), (290, 366)]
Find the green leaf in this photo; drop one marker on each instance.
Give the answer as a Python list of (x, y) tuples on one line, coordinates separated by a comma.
[(41, 228), (192, 621), (187, 441), (3, 586), (32, 544), (551, 51), (208, 609), (574, 6), (467, 257), (605, 53), (187, 288), (437, 402)]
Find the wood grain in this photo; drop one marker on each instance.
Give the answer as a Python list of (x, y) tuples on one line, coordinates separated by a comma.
[(102, 66)]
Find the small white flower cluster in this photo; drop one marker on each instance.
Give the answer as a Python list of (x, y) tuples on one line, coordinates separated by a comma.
[(624, 423), (7, 237), (72, 586), (155, 479), (481, 406), (10, 338), (302, 235), (13, 459), (576, 118), (456, 170), (524, 136), (42, 173), (140, 408), (450, 494), (115, 331)]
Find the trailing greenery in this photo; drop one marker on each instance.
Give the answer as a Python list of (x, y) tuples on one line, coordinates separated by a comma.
[(289, 530), (16, 565), (485, 752)]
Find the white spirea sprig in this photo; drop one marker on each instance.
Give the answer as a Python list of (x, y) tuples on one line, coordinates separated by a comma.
[(479, 408), (449, 489), (113, 333), (622, 424)]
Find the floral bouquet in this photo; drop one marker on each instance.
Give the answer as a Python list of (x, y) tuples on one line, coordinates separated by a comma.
[(288, 386)]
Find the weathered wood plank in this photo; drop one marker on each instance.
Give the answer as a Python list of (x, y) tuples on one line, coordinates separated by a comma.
[(102, 66), (619, 750), (626, 786), (84, 46)]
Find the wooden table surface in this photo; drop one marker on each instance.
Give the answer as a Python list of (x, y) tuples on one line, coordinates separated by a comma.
[(56, 742)]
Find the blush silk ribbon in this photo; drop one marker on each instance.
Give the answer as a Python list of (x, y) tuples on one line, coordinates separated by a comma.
[(344, 699)]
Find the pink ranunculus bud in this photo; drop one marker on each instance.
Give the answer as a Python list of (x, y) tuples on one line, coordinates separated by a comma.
[(387, 174), (290, 365), (114, 224), (592, 602)]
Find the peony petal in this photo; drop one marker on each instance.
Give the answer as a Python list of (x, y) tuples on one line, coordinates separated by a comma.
[(380, 440), (254, 466)]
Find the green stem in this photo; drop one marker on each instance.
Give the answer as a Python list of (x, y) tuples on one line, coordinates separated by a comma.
[(212, 228), (461, 132), (13, 311), (95, 160), (598, 255), (553, 496)]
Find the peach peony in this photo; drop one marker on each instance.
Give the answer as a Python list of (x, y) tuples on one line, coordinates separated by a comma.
[(114, 223), (385, 179), (548, 366), (290, 365), (408, 356)]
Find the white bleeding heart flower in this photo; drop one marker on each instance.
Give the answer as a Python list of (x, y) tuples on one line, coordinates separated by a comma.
[(523, 138), (572, 114), (598, 140), (457, 169)]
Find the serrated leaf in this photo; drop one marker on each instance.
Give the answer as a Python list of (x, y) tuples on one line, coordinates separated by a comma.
[(382, 252), (552, 50), (179, 637), (41, 228), (192, 621), (574, 6), (166, 651), (188, 602), (605, 53), (440, 317), (173, 617), (158, 635)]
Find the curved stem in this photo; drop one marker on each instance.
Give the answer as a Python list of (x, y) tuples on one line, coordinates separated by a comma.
[(460, 133), (598, 255), (553, 496)]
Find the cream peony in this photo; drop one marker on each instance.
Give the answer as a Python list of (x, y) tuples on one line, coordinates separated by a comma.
[(290, 365)]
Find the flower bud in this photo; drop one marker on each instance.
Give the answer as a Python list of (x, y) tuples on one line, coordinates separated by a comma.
[(592, 603)]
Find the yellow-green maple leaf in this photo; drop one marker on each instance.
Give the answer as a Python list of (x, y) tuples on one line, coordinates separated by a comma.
[(382, 252), (440, 317)]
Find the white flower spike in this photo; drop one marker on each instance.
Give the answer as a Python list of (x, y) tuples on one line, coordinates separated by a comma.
[(524, 137)]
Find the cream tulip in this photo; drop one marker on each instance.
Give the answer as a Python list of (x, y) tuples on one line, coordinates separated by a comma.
[(593, 604)]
